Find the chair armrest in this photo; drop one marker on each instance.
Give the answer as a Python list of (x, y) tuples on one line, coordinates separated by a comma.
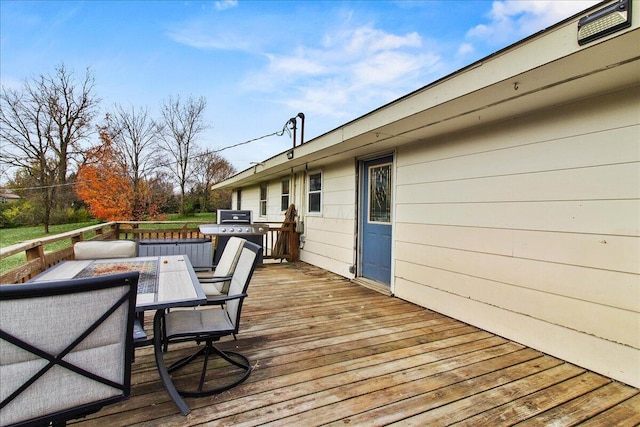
[(204, 267), (214, 279), (222, 299)]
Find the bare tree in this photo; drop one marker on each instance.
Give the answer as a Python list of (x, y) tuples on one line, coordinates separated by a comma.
[(183, 123), (42, 126), (135, 136), (210, 169)]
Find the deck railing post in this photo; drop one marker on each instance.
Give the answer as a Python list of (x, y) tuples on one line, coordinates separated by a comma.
[(36, 252), (293, 242)]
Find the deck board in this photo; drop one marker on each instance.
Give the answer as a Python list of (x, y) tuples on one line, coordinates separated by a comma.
[(329, 352)]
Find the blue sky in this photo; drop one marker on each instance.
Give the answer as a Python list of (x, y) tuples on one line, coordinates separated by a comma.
[(258, 63)]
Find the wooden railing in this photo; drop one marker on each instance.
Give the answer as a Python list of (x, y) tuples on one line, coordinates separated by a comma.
[(38, 259)]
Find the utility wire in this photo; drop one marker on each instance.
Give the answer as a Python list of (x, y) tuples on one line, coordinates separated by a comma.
[(42, 187), (278, 133)]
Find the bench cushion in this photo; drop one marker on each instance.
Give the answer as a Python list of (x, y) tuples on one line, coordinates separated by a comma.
[(104, 249)]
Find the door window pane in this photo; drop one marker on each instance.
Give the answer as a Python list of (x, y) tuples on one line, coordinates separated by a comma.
[(380, 193)]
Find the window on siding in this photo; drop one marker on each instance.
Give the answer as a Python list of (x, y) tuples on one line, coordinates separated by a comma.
[(314, 192), (284, 198), (263, 199), (239, 200)]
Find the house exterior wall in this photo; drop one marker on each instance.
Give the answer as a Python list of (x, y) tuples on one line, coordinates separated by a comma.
[(328, 238), (530, 229), (250, 200)]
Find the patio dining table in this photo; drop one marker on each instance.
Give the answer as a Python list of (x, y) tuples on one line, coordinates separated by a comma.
[(165, 282)]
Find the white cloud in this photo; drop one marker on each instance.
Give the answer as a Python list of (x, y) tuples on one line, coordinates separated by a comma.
[(350, 70), (465, 49), (370, 40), (199, 39), (226, 4), (513, 20), (210, 32), (387, 67), (294, 65), (328, 99)]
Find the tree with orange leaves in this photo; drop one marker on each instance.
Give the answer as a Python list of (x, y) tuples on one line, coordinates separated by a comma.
[(103, 183)]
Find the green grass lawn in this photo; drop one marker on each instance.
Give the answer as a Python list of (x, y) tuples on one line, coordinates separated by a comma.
[(10, 236), (205, 216)]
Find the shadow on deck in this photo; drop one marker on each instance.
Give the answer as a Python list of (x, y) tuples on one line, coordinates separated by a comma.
[(327, 351)]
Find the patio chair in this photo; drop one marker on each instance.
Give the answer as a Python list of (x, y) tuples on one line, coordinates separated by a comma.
[(215, 283), (104, 249), (212, 323), (56, 366)]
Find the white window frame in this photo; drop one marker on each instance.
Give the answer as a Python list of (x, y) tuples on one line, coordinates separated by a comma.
[(309, 192)]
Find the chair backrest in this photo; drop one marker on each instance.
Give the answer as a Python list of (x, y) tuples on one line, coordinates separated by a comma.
[(229, 260), (240, 280), (66, 347), (104, 249)]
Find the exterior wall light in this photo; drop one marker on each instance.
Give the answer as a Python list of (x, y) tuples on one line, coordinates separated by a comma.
[(605, 21)]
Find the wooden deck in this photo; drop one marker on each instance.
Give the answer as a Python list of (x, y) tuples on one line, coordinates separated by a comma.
[(329, 352)]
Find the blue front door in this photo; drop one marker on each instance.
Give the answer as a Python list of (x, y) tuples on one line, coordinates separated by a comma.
[(375, 219)]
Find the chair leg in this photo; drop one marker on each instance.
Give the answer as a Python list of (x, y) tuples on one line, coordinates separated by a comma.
[(186, 360), (209, 350), (165, 341), (203, 374), (162, 368)]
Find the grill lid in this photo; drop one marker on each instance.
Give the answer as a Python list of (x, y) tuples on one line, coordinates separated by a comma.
[(229, 216)]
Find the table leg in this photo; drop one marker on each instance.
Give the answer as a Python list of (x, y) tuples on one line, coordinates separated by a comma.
[(162, 368)]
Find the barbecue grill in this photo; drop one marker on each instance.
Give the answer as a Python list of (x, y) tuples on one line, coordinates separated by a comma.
[(234, 223)]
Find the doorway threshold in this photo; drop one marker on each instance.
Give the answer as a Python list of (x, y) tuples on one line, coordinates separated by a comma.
[(373, 285)]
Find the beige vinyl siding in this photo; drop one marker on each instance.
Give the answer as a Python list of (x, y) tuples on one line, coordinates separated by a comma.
[(328, 238), (274, 192), (530, 228), (250, 201)]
